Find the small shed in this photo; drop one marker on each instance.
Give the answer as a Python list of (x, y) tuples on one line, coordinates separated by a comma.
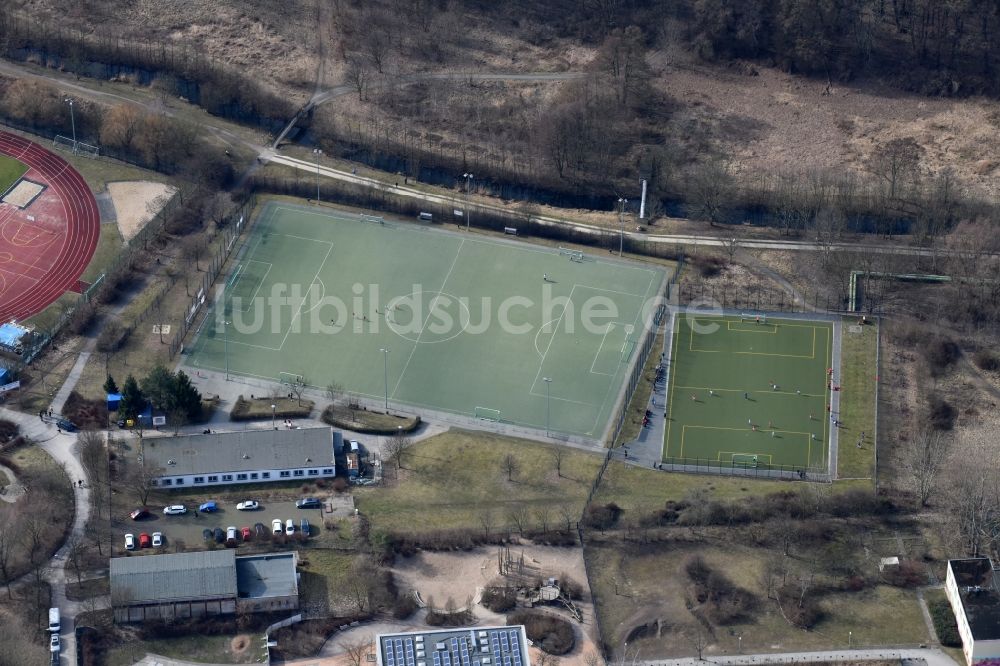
[(888, 562), (114, 399)]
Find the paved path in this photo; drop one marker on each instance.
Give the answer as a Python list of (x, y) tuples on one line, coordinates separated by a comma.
[(932, 657), (14, 490)]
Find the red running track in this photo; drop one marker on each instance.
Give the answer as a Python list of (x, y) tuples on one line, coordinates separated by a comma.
[(42, 258)]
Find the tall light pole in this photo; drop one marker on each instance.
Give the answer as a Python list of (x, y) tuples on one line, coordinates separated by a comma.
[(621, 221), (385, 374), (468, 186), (318, 152), (225, 339), (850, 638), (72, 120), (273, 407), (548, 401)]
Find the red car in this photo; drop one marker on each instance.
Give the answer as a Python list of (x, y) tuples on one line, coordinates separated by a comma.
[(245, 532), (144, 541), (139, 514)]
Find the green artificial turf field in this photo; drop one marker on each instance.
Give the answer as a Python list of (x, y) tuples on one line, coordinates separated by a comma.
[(10, 172), (471, 324), (748, 393)]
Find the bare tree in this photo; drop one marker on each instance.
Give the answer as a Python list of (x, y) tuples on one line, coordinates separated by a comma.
[(486, 519), (9, 535), (925, 460), (509, 465), (543, 517), (356, 651), (358, 74), (558, 453), (518, 517), (193, 250), (334, 391), (974, 491), (298, 386), (139, 480), (698, 638), (75, 560), (396, 448)]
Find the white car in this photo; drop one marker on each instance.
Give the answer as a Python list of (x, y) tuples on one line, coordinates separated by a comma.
[(129, 542), (157, 539), (248, 505), (289, 527), (276, 526), (175, 510), (54, 645)]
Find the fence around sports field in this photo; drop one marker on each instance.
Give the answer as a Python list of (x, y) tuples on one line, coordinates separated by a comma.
[(734, 468)]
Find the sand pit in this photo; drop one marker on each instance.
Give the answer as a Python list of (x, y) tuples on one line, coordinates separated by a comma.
[(460, 577), (136, 202)]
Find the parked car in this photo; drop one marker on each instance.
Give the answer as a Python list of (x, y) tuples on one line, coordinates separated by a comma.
[(66, 424), (144, 540), (129, 542), (231, 538), (220, 536), (245, 533), (54, 645), (208, 507), (175, 510), (308, 503), (304, 526), (206, 534), (157, 539), (289, 527), (261, 530), (276, 526), (139, 514), (248, 505)]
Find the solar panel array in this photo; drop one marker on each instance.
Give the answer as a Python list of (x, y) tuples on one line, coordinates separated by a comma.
[(483, 647)]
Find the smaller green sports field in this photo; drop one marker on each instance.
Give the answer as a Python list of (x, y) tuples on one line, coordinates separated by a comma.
[(749, 392), (10, 172)]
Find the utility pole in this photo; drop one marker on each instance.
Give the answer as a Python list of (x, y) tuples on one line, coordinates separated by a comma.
[(72, 120), (468, 186), (621, 221), (548, 402), (318, 153), (385, 374), (225, 338)]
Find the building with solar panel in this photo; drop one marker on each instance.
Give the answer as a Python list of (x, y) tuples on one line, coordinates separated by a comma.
[(478, 646)]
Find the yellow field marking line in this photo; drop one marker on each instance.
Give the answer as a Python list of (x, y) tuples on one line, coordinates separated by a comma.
[(733, 454), (764, 391)]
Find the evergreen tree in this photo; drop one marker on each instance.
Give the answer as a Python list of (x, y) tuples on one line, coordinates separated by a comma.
[(159, 387), (133, 401), (110, 386), (187, 399)]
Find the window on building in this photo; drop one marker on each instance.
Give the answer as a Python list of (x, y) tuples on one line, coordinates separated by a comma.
[(253, 475), (199, 479), (167, 482), (328, 470), (213, 479), (180, 482), (299, 472), (227, 477), (314, 472), (241, 477), (285, 474), (265, 475)]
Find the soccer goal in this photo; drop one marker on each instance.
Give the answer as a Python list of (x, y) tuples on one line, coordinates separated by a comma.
[(373, 219), (745, 460), (574, 255), (289, 379), (487, 414), (756, 318), (77, 147)]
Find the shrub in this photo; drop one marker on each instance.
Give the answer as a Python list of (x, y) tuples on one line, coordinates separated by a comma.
[(802, 610), (602, 517), (499, 598), (551, 634), (944, 622), (404, 606), (340, 484), (941, 353), (987, 360), (941, 414), (909, 573), (112, 337), (726, 603)]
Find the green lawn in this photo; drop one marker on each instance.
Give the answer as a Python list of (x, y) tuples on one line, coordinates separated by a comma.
[(452, 480), (471, 324), (857, 402), (10, 172), (324, 579), (109, 244), (748, 393)]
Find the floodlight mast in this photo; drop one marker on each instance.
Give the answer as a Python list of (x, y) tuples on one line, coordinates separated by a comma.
[(468, 186)]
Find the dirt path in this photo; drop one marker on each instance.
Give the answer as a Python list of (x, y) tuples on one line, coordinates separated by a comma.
[(14, 490)]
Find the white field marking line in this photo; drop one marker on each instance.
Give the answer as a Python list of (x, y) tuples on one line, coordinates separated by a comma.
[(317, 303), (298, 312), (541, 362), (248, 344), (430, 311), (259, 284), (542, 328), (600, 347), (611, 382), (612, 291), (305, 238), (575, 402)]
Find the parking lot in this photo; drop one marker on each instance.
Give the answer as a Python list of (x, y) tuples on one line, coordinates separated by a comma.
[(186, 531)]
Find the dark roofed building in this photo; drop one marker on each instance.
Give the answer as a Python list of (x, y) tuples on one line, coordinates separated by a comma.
[(972, 589), (215, 582)]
